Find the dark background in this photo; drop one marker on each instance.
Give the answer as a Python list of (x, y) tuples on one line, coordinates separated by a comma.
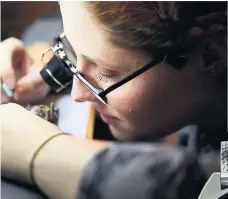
[(17, 15)]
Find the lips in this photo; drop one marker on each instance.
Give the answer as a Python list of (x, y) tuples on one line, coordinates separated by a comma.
[(108, 119)]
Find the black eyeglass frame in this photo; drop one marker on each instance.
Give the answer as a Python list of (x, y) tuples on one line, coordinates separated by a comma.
[(98, 92)]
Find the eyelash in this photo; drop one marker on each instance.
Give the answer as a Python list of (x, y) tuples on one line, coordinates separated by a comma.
[(104, 78)]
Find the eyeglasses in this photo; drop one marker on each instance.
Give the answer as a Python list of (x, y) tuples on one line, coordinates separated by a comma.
[(63, 51)]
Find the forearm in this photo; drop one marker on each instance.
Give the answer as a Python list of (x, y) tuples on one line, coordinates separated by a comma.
[(18, 148), (60, 164)]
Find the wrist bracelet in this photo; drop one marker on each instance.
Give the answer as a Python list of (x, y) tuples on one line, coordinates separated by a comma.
[(31, 165)]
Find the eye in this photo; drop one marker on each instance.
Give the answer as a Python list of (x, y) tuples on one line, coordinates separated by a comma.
[(105, 78), (104, 75)]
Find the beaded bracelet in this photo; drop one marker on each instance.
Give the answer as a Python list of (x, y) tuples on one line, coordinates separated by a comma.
[(31, 165)]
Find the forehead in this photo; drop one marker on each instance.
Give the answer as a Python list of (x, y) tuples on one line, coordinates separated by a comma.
[(79, 26), (87, 37)]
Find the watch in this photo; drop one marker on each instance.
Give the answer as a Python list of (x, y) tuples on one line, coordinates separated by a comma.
[(47, 112)]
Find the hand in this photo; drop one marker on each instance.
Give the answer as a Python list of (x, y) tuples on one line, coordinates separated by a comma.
[(22, 132), (20, 71)]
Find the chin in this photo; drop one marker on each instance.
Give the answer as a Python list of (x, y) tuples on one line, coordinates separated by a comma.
[(121, 134)]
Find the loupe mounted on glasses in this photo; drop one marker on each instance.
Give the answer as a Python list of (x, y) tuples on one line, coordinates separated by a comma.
[(57, 72)]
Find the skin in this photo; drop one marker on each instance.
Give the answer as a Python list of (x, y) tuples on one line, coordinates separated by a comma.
[(158, 102), (19, 69)]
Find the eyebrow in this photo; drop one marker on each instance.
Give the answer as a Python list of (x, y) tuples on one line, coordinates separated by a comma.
[(86, 57), (98, 61)]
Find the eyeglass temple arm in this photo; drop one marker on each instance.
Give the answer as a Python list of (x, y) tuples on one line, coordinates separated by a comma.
[(94, 89), (132, 76)]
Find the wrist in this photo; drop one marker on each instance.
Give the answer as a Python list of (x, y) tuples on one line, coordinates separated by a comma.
[(16, 165), (62, 162), (53, 167), (36, 154)]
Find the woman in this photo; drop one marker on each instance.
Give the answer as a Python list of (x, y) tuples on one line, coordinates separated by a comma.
[(184, 43)]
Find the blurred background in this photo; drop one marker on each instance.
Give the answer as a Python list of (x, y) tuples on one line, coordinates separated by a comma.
[(17, 15)]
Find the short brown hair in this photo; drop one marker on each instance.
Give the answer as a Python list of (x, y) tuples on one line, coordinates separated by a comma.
[(160, 26)]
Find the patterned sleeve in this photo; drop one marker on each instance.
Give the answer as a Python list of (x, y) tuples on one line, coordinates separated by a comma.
[(142, 171)]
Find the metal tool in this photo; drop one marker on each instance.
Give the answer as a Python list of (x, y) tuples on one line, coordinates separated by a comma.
[(47, 112), (217, 185)]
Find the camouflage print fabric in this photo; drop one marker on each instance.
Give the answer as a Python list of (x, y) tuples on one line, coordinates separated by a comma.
[(142, 171)]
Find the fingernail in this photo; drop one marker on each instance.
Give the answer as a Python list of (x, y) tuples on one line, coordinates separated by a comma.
[(7, 90)]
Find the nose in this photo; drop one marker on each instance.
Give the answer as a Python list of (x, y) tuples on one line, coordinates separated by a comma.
[(80, 93)]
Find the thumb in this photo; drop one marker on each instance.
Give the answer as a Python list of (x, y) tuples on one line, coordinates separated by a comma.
[(16, 67), (13, 59)]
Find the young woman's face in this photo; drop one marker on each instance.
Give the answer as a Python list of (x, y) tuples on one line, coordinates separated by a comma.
[(158, 102)]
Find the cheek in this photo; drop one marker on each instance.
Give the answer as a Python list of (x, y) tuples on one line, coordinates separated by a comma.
[(129, 98), (146, 98)]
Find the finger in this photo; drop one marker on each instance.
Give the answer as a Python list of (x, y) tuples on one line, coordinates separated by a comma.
[(6, 48), (17, 67), (10, 50), (20, 61), (6, 92), (29, 83), (4, 98)]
